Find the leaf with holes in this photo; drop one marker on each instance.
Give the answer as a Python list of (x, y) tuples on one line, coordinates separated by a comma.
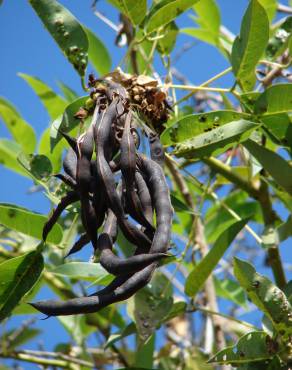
[(39, 166), (66, 30), (216, 141), (270, 299), (18, 275), (195, 124), (251, 347)]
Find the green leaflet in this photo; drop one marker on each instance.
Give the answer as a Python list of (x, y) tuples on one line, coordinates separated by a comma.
[(193, 125), (66, 30), (164, 12), (204, 268), (273, 163), (67, 121), (217, 141), (9, 151), (92, 272), (53, 103), (28, 222), (266, 296), (98, 54), (21, 131), (249, 46), (250, 348), (39, 166), (135, 10), (18, 275)]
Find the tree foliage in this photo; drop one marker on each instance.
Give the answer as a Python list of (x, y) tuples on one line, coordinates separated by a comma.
[(228, 165)]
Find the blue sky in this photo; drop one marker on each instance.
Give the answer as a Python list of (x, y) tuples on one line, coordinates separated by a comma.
[(27, 47)]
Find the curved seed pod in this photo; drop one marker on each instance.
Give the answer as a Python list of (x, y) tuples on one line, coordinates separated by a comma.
[(70, 198), (83, 179), (79, 244), (70, 140), (144, 196), (128, 168), (101, 135), (70, 163), (156, 149), (101, 299), (159, 191)]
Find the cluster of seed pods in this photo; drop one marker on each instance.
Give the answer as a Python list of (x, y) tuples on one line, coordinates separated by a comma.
[(118, 189)]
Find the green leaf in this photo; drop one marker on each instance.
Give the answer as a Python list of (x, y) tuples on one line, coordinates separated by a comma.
[(273, 163), (166, 11), (274, 100), (151, 305), (285, 229), (216, 141), (18, 275), (208, 20), (204, 268), (69, 94), (195, 124), (53, 103), (56, 155), (9, 151), (67, 122), (116, 337), (279, 41), (180, 206), (270, 7), (177, 309), (66, 31), (249, 348), (38, 165), (98, 55), (249, 46), (135, 10), (27, 222), (145, 352), (76, 326), (167, 43), (231, 290), (266, 296), (85, 271), (21, 131)]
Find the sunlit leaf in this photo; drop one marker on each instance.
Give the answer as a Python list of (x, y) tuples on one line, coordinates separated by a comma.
[(53, 103), (204, 268), (69, 94), (28, 222), (231, 290), (167, 43), (56, 155), (21, 131), (38, 165), (249, 348), (135, 10), (195, 124), (273, 163), (270, 7), (66, 31), (165, 11), (66, 122), (249, 46), (266, 296), (275, 99), (85, 271), (216, 141), (18, 275), (98, 54), (9, 151)]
